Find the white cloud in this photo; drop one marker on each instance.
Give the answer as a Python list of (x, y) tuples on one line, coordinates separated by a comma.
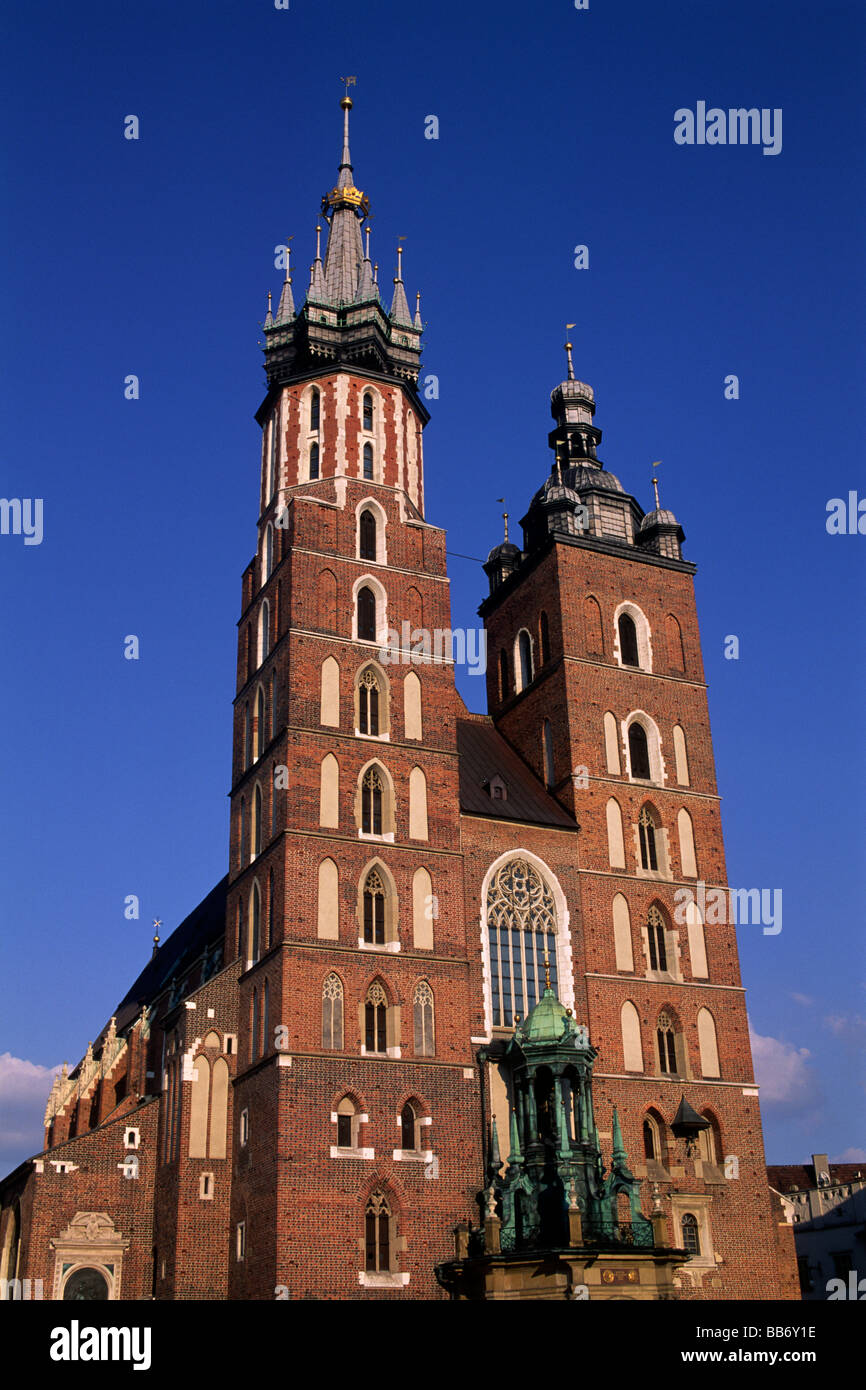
[(783, 1073), (805, 999), (24, 1088), (852, 1155)]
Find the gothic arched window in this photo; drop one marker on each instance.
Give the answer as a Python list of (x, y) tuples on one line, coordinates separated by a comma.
[(269, 550), (347, 1124), (667, 1044), (259, 729), (377, 1234), (314, 462), (638, 751), (368, 411), (647, 827), (254, 1023), (547, 742), (650, 1147), (409, 1128), (521, 929), (422, 1007), (524, 658), (366, 614), (544, 634), (332, 1015), (371, 802), (374, 909), (368, 461), (628, 649), (257, 822), (691, 1234), (367, 535), (655, 926), (315, 405), (255, 923), (368, 702), (264, 631), (375, 1019)]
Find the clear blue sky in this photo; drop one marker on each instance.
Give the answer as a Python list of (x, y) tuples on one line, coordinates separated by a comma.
[(154, 257)]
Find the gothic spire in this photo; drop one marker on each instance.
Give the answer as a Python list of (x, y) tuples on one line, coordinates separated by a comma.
[(399, 304), (343, 207), (286, 309), (317, 290)]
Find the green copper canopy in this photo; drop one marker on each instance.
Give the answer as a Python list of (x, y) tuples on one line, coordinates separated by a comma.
[(547, 1020)]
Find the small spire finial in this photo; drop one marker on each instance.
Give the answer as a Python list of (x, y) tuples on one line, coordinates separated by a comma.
[(367, 231), (318, 242), (289, 240), (504, 518), (655, 483), (156, 926), (400, 241), (546, 968), (568, 352), (376, 273), (269, 301)]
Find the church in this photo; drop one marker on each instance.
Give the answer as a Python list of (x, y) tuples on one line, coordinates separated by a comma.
[(444, 1029)]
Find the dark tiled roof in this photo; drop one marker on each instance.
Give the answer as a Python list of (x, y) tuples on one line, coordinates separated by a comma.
[(484, 754), (799, 1177), (204, 926)]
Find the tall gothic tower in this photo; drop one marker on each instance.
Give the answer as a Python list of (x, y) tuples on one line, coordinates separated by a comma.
[(354, 1069)]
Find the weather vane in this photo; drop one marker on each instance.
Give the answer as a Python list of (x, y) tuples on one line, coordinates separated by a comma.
[(350, 82)]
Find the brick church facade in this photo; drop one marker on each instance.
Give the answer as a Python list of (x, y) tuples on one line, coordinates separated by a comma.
[(301, 1093)]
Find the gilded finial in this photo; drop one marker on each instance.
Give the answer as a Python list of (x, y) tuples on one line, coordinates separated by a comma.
[(568, 353), (367, 234), (156, 926), (318, 243), (504, 518), (346, 100), (289, 240), (376, 273), (269, 301), (546, 968), (655, 483)]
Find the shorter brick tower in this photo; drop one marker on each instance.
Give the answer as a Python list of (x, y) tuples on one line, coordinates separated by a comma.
[(595, 678)]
